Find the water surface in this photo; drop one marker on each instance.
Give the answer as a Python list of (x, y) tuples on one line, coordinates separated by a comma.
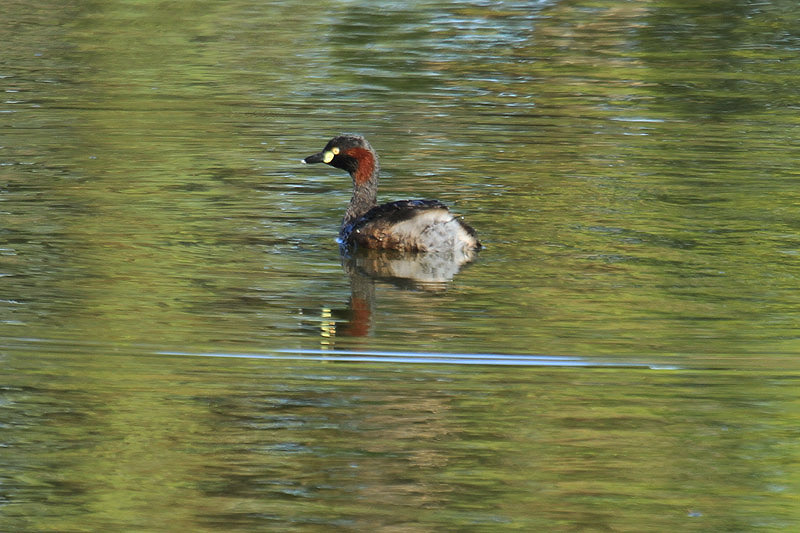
[(184, 348)]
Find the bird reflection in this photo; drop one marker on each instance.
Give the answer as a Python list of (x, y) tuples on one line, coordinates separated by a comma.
[(425, 272), (417, 271)]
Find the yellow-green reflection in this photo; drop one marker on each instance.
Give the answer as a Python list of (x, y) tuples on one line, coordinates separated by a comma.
[(630, 167)]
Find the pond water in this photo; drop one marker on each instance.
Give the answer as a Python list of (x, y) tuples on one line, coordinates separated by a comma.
[(183, 348)]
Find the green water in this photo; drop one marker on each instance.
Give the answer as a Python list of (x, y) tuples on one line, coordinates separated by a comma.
[(629, 166)]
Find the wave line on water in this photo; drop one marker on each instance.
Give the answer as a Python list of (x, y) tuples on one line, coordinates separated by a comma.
[(355, 356), (422, 357)]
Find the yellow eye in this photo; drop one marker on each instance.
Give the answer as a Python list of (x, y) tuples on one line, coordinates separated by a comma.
[(335, 150)]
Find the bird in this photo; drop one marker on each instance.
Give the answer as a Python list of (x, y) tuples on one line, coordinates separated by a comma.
[(404, 225)]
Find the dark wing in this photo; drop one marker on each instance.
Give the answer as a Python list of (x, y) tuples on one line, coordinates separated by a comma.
[(398, 211)]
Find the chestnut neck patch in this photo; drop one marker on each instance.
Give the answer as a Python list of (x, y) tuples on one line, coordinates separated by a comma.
[(366, 164)]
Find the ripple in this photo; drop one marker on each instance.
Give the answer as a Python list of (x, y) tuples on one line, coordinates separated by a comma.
[(425, 358)]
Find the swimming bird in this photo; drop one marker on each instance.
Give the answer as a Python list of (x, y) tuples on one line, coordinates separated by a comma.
[(405, 225)]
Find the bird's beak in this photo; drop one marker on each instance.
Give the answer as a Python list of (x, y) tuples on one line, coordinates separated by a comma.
[(322, 157)]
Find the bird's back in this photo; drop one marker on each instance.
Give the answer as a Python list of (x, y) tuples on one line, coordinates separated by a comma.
[(410, 225)]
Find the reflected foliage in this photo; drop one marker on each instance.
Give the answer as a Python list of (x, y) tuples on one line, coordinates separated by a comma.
[(630, 167)]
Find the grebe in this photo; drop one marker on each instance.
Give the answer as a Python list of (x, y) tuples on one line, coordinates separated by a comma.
[(406, 225)]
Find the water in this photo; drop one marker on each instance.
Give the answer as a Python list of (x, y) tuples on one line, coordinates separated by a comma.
[(184, 348)]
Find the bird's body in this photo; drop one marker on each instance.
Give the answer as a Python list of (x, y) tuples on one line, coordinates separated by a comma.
[(406, 225)]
